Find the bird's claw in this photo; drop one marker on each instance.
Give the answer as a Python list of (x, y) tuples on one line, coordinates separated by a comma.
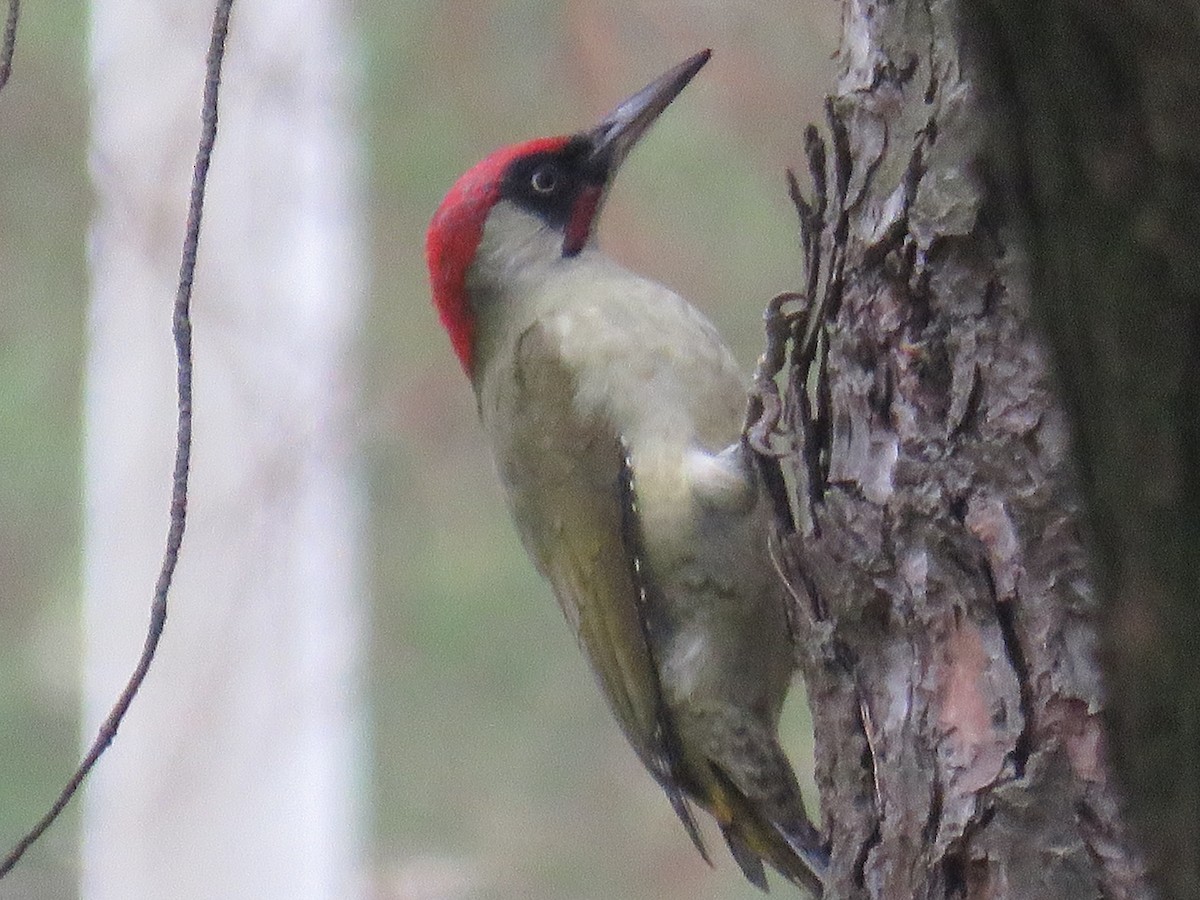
[(765, 407)]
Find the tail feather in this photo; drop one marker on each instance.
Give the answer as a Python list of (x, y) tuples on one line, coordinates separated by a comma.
[(765, 832), (807, 846), (805, 861), (749, 861), (683, 809)]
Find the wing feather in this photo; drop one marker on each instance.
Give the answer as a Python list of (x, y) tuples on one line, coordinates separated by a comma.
[(571, 487)]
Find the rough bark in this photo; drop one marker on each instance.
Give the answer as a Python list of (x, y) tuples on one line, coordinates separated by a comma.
[(946, 617), (1096, 142)]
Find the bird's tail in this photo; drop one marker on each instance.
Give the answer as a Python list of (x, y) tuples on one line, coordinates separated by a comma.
[(772, 829)]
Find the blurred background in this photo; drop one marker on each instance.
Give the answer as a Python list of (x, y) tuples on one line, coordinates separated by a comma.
[(491, 766)]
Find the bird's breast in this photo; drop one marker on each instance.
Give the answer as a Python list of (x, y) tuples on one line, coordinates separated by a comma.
[(608, 368)]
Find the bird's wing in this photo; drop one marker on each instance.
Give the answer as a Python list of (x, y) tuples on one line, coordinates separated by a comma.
[(571, 486)]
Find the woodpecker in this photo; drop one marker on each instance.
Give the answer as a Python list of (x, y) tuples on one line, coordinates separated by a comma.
[(614, 410)]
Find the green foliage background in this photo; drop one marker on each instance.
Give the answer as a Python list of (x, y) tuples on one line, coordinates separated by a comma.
[(495, 770)]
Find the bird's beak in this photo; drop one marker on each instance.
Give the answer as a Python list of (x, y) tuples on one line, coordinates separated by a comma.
[(615, 136), (612, 140)]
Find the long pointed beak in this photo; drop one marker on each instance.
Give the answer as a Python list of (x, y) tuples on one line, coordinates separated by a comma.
[(615, 136)]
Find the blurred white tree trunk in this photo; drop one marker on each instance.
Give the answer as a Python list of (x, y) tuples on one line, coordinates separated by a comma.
[(235, 774)]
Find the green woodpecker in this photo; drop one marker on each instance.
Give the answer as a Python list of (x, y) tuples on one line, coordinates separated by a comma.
[(614, 412)]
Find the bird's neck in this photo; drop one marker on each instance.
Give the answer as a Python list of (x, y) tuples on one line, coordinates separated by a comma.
[(639, 355), (519, 276)]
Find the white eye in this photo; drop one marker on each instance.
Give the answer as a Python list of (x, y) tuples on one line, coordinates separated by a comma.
[(544, 180)]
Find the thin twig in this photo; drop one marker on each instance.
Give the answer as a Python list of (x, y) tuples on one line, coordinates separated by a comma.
[(182, 331), (10, 41)]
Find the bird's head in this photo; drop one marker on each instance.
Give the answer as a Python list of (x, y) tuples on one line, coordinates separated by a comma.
[(547, 192)]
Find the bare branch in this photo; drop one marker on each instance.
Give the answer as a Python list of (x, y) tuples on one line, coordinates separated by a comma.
[(182, 331), (10, 41)]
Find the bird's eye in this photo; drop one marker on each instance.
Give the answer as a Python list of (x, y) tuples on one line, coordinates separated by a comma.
[(544, 180)]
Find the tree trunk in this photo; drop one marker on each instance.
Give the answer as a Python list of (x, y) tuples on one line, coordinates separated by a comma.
[(233, 775), (1097, 143), (947, 618)]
